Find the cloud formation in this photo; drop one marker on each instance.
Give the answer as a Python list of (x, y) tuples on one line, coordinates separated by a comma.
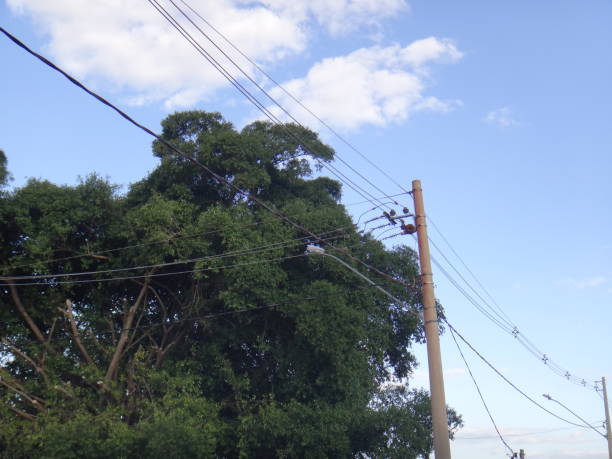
[(582, 283), (126, 46), (376, 85), (502, 117)]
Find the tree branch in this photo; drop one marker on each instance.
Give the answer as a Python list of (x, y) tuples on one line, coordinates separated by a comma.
[(128, 319), (23, 414), (75, 332), (26, 317), (25, 357), (34, 401)]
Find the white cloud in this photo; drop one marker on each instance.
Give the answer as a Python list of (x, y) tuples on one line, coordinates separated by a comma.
[(338, 16), (126, 46), (502, 117), (376, 85), (583, 283)]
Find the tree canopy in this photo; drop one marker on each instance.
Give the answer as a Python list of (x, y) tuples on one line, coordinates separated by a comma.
[(199, 328)]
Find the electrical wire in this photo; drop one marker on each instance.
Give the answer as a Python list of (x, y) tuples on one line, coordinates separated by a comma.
[(189, 158), (501, 375), (263, 91), (500, 318), (574, 413), (480, 394), (226, 74), (249, 251), (166, 240), (528, 434), (504, 323), (499, 308), (267, 75), (148, 275)]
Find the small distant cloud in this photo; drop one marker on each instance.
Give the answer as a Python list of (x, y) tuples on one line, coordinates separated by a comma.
[(455, 372), (502, 117), (584, 283)]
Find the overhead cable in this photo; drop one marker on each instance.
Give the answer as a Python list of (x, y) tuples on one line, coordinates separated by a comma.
[(244, 91), (291, 96), (189, 158), (501, 375), (263, 91), (480, 394)]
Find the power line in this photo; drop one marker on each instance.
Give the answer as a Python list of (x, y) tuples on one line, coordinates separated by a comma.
[(527, 434), (269, 77), (189, 158), (501, 319), (166, 240), (53, 282), (469, 270), (505, 323), (574, 413), (248, 251), (501, 375), (245, 92), (480, 394)]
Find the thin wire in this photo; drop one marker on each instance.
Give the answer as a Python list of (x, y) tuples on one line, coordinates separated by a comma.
[(226, 74), (575, 414), (381, 197), (480, 394), (500, 374), (528, 434), (144, 276), (469, 270), (249, 251), (267, 94), (143, 244), (500, 318), (506, 325), (262, 71), (468, 297)]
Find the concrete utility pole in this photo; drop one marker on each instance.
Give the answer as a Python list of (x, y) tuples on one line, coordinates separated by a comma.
[(439, 415), (608, 427)]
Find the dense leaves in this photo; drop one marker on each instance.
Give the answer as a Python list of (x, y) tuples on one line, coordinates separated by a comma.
[(200, 328)]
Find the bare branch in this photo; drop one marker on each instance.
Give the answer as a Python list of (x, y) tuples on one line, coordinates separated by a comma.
[(23, 414), (25, 357), (26, 317), (128, 319), (75, 332), (36, 402)]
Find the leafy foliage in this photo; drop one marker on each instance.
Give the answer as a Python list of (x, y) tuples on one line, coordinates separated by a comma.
[(222, 339)]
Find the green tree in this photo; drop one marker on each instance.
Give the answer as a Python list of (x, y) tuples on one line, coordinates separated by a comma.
[(4, 174), (223, 340)]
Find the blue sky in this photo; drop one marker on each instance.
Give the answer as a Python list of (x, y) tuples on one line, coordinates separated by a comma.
[(502, 109)]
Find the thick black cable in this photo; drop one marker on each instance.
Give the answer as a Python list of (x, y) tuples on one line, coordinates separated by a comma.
[(191, 159), (480, 394)]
